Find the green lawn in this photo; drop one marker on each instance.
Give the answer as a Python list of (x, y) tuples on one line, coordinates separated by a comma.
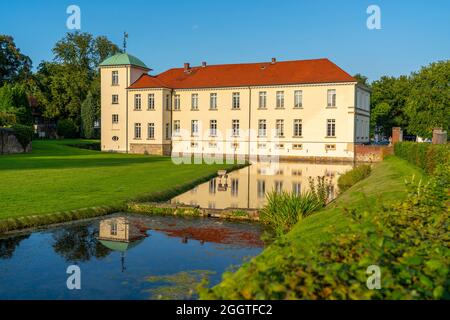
[(384, 185), (56, 177)]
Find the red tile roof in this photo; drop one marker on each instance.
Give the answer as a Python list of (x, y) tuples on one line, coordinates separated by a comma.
[(247, 74)]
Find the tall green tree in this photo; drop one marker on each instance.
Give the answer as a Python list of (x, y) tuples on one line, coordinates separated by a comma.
[(88, 117), (14, 105), (428, 103), (14, 66), (388, 100), (64, 83), (362, 79)]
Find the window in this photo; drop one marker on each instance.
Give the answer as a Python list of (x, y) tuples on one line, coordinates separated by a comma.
[(115, 78), (137, 130), (331, 128), (115, 118), (279, 146), (213, 101), (236, 100), (330, 147), (212, 145), (234, 187), (212, 186), (115, 99), (167, 102), (297, 127), (194, 145), (261, 188), (278, 186), (331, 98), (262, 128), (176, 102), (235, 128), (176, 127), (280, 99), (137, 102), (235, 145), (113, 230), (194, 101), (280, 128), (151, 131), (167, 131), (297, 146), (261, 145), (151, 101), (194, 128), (262, 100), (115, 138), (296, 188), (213, 128), (298, 99)]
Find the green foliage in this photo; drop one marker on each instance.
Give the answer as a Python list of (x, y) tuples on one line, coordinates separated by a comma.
[(7, 119), (66, 128), (88, 117), (388, 100), (428, 104), (321, 188), (14, 105), (24, 134), (362, 79), (64, 84), (283, 209), (424, 155), (14, 66), (408, 240), (348, 179)]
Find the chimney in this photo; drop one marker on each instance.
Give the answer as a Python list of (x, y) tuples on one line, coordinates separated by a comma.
[(203, 64), (186, 67), (274, 60)]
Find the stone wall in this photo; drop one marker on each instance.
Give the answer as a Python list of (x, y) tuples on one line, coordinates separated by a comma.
[(9, 143), (364, 153), (155, 149)]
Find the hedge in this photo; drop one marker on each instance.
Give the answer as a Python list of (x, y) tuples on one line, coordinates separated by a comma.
[(348, 179), (24, 134), (424, 155)]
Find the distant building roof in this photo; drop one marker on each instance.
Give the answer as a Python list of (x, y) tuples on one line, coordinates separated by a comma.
[(247, 74), (123, 59)]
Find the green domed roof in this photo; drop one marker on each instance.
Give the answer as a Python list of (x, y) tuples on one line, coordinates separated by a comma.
[(123, 59)]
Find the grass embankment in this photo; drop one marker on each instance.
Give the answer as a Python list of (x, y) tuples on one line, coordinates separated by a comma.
[(56, 178), (385, 184)]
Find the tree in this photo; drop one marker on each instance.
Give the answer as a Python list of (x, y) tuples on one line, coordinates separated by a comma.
[(428, 103), (362, 79), (14, 105), (388, 100), (88, 117), (14, 66), (64, 83)]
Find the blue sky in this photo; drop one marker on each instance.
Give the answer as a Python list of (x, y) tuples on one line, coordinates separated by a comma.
[(166, 34)]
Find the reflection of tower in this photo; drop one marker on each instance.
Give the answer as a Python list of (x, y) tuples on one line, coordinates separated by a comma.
[(223, 180), (121, 234)]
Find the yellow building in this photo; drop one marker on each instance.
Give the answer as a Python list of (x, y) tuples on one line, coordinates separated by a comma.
[(310, 109)]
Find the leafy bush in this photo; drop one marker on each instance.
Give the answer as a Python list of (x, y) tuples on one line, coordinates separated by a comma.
[(408, 241), (348, 179), (66, 129), (283, 209), (24, 134), (424, 155)]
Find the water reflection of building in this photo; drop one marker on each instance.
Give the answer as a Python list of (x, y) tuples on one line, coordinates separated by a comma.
[(121, 234), (247, 188)]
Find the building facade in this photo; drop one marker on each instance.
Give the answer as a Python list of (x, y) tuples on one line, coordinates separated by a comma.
[(308, 109)]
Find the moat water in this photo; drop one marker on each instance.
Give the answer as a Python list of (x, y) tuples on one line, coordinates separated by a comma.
[(124, 256)]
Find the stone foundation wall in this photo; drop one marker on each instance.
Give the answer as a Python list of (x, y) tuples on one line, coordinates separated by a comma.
[(9, 143), (365, 153), (154, 149)]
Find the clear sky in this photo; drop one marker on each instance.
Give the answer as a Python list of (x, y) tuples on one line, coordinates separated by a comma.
[(165, 34)]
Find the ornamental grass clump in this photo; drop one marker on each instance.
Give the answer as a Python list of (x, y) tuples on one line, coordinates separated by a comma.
[(284, 209)]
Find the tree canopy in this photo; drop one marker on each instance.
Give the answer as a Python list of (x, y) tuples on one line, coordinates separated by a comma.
[(14, 66)]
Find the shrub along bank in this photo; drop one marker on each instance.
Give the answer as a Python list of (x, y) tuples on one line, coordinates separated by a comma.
[(424, 155), (326, 255)]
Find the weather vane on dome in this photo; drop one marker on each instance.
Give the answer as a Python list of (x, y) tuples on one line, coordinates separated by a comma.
[(125, 37)]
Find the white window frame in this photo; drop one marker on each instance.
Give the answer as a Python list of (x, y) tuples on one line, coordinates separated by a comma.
[(298, 99), (137, 131), (194, 101), (151, 131), (213, 128), (115, 99), (194, 128), (236, 101), (262, 100), (176, 102), (331, 128), (115, 118), (137, 101), (151, 101), (235, 127), (298, 128), (213, 101), (331, 98), (279, 128), (115, 78), (176, 127), (280, 100), (262, 128)]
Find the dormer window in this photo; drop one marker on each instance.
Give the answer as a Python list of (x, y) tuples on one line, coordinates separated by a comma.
[(115, 78)]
